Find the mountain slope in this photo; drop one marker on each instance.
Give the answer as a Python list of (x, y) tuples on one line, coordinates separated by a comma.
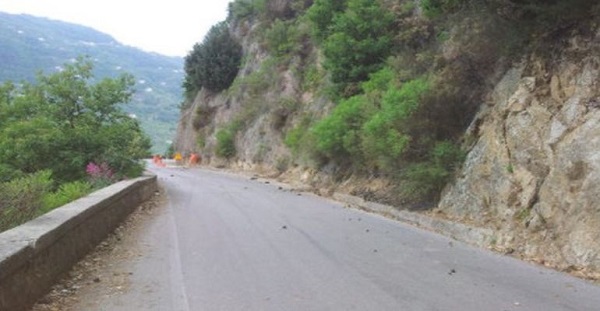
[(31, 44)]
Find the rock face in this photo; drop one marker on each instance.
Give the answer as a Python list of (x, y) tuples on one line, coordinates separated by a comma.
[(265, 101), (533, 174)]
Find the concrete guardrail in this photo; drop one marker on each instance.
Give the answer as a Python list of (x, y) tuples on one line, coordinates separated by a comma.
[(34, 255)]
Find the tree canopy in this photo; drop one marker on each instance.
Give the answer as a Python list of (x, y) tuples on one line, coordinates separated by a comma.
[(214, 63), (66, 120), (356, 37)]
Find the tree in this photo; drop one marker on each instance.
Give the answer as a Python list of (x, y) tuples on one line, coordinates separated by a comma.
[(321, 14), (64, 121), (214, 63)]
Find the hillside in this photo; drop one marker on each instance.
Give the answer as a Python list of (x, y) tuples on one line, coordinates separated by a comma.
[(31, 44), (484, 113)]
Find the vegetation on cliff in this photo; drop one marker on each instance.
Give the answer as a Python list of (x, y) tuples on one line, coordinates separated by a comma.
[(405, 78)]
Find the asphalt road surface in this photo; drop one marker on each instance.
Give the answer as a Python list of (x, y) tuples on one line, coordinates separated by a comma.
[(226, 242)]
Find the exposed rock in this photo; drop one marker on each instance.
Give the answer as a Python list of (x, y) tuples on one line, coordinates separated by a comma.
[(264, 98), (534, 173)]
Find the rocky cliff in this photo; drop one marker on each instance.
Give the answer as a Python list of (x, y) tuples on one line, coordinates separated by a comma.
[(533, 173), (267, 99), (532, 170)]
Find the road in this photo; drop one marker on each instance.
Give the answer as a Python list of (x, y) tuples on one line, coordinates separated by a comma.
[(225, 242)]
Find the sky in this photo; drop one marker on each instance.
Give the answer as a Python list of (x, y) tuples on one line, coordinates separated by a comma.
[(170, 27)]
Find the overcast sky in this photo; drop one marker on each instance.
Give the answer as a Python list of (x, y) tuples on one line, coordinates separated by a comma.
[(168, 27)]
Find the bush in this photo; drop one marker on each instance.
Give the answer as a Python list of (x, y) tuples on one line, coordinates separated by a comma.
[(296, 137), (386, 135), (424, 181), (337, 135), (66, 193), (312, 78), (372, 130), (255, 83), (321, 15), (100, 175), (282, 37), (226, 143), (8, 173), (301, 140), (293, 139), (214, 63), (447, 155), (21, 199), (379, 82)]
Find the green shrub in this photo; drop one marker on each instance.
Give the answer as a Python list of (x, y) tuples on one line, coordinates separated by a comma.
[(337, 135), (8, 173), (293, 138), (302, 141), (321, 14), (424, 181), (447, 155), (379, 81), (66, 193), (125, 148), (282, 37), (255, 83), (135, 168), (386, 135), (371, 130), (225, 143), (201, 140), (21, 199), (312, 78)]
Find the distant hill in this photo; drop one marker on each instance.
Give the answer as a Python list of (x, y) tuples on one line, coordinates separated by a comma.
[(31, 44)]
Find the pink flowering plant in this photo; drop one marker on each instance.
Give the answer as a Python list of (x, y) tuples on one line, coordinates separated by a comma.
[(100, 175)]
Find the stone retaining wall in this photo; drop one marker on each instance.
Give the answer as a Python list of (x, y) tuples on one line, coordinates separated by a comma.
[(34, 255)]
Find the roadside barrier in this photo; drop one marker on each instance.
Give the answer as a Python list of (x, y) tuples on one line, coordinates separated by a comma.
[(178, 160), (35, 255)]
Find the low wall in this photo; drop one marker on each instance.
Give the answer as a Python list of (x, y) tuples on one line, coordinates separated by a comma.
[(34, 255)]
